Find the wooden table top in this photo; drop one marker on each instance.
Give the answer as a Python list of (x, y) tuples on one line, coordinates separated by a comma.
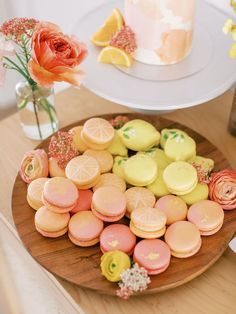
[(214, 291)]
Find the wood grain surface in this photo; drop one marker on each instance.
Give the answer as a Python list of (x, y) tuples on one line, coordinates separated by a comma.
[(214, 292), (81, 266)]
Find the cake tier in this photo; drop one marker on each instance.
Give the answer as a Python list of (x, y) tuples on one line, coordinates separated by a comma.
[(163, 29)]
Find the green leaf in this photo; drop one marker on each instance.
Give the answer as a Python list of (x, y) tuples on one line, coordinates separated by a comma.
[(176, 135), (126, 135), (172, 132), (128, 128), (119, 162), (166, 136)]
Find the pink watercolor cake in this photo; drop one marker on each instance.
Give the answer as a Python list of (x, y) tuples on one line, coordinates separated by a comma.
[(163, 29)]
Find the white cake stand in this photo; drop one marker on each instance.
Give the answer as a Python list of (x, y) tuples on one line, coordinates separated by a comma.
[(205, 74)]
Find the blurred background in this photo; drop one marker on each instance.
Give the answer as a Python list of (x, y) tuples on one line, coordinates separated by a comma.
[(65, 13)]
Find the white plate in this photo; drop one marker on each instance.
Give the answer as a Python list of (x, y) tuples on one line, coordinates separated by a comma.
[(205, 74)]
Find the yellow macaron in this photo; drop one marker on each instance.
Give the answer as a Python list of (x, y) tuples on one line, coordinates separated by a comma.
[(166, 133), (118, 166), (180, 147), (200, 193), (117, 147), (158, 187), (140, 170), (139, 135), (159, 156), (180, 177)]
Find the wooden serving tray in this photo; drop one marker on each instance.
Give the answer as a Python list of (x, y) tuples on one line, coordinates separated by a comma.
[(81, 266)]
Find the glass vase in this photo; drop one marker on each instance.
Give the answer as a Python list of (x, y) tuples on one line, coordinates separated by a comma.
[(36, 109)]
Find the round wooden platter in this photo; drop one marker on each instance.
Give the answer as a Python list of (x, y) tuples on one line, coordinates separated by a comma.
[(81, 266)]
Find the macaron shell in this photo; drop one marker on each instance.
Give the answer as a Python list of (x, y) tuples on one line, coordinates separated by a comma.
[(189, 253), (110, 179), (138, 197), (90, 185), (52, 234), (200, 193), (180, 177), (78, 142), (84, 201), (147, 234), (49, 221), (109, 201), (140, 170), (154, 255), (103, 157), (180, 147), (206, 215), (107, 218), (182, 237), (174, 208), (83, 170), (35, 192), (148, 219), (117, 237), (57, 209), (212, 231), (83, 243), (118, 166), (60, 192), (92, 145), (158, 187), (117, 147), (85, 226)]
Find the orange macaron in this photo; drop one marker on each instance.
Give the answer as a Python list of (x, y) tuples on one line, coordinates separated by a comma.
[(148, 222), (83, 171), (50, 224), (108, 203), (60, 195), (110, 179), (84, 201), (85, 229), (183, 238), (208, 216), (103, 157)]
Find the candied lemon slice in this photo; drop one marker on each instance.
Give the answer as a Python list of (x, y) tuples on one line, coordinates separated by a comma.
[(113, 24)]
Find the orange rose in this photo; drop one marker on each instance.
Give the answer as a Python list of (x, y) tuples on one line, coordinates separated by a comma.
[(55, 56), (222, 188), (34, 165)]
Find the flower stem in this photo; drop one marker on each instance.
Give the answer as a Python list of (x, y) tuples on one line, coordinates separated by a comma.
[(36, 115)]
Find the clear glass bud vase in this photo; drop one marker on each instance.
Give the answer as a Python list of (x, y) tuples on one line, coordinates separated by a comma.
[(36, 108)]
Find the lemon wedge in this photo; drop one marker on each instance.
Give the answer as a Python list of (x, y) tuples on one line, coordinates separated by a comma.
[(113, 24), (115, 55)]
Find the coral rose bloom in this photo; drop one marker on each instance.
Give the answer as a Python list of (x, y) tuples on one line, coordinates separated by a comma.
[(222, 188), (55, 56), (34, 165)]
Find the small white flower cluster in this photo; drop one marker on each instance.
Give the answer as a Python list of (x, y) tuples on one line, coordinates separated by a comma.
[(135, 279)]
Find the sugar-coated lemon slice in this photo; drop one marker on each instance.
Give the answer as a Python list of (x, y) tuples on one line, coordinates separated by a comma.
[(115, 55), (113, 24)]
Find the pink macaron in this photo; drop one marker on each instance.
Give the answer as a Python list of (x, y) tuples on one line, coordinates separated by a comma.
[(108, 203), (60, 195), (84, 201), (85, 228), (117, 237), (207, 216), (152, 254)]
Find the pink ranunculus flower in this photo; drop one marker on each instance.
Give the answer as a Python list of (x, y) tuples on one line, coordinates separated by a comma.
[(34, 165), (222, 188), (55, 57), (6, 50)]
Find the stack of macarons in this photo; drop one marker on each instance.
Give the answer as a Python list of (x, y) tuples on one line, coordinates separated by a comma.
[(152, 186)]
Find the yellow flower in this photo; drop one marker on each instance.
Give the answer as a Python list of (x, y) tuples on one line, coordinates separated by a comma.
[(228, 26), (232, 52), (113, 263)]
